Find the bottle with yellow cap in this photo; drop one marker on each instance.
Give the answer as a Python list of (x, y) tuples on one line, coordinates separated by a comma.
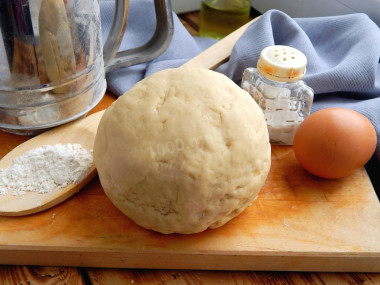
[(277, 87)]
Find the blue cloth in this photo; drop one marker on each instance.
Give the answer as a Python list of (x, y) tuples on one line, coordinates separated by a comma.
[(343, 54), (141, 25)]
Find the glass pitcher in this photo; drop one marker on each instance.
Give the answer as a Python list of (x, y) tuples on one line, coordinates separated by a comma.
[(53, 63)]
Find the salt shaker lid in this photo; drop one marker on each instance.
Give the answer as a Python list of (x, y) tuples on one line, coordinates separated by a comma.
[(282, 63)]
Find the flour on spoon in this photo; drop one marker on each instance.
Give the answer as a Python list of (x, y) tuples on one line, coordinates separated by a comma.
[(46, 169)]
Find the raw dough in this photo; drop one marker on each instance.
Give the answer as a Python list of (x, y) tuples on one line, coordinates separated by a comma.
[(184, 150)]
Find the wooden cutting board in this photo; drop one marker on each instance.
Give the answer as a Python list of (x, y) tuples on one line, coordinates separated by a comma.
[(298, 223)]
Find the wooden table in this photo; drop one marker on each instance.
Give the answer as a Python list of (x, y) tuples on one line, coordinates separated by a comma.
[(14, 274)]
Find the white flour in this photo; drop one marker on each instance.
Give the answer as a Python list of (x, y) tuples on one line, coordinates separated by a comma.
[(45, 169)]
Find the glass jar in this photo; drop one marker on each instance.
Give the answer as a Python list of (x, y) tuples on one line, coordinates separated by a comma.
[(218, 18), (277, 88)]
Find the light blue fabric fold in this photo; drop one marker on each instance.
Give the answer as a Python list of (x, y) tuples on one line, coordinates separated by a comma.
[(141, 25), (342, 51), (343, 54)]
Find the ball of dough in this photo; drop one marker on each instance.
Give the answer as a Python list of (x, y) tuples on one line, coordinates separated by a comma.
[(184, 150)]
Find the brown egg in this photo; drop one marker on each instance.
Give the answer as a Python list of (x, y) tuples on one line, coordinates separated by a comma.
[(334, 142)]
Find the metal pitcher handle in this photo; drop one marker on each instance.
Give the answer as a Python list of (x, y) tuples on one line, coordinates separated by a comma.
[(149, 51)]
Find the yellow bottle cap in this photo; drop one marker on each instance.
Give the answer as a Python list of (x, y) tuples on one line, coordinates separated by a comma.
[(282, 63)]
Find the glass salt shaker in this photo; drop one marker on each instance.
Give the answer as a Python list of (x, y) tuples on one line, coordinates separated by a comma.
[(277, 88)]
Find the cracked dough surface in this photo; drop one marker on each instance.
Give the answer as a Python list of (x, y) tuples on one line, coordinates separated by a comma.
[(184, 150)]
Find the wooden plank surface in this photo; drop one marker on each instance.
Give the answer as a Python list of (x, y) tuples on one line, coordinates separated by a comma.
[(12, 275), (196, 277), (191, 22)]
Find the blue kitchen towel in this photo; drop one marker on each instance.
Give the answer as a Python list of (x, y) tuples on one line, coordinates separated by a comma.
[(141, 25), (343, 54)]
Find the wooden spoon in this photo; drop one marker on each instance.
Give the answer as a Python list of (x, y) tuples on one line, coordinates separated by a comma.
[(83, 132)]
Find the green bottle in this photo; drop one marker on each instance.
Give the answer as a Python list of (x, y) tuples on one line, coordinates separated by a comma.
[(218, 18)]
